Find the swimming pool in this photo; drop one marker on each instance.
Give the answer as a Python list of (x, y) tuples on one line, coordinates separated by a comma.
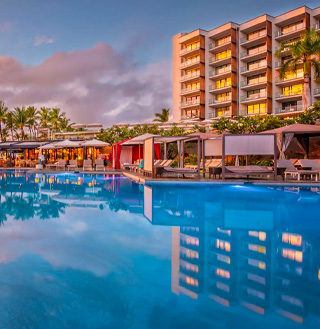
[(99, 251)]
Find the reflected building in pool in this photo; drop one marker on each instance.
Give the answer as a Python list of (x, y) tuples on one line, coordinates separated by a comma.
[(240, 254)]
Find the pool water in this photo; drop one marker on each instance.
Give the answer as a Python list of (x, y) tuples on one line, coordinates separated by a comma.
[(99, 251)]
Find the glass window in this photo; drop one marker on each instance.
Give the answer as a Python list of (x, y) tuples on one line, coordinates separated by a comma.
[(224, 97), (256, 64), (223, 40), (223, 83), (256, 109), (223, 273), (257, 34), (223, 245), (292, 255), (292, 90), (257, 49), (257, 79), (293, 239), (292, 27), (223, 54)]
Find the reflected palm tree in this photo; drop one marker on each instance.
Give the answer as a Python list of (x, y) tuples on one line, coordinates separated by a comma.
[(52, 209)]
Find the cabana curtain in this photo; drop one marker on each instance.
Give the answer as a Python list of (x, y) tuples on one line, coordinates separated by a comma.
[(283, 141)]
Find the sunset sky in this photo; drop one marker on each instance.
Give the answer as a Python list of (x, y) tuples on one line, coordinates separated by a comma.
[(105, 61)]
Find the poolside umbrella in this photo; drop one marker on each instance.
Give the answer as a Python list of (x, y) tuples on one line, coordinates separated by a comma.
[(66, 143), (48, 146), (94, 143)]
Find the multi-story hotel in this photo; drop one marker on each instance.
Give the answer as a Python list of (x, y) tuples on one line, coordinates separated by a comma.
[(232, 69)]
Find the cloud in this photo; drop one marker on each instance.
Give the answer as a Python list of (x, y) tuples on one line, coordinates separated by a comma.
[(40, 40), (90, 85), (5, 27)]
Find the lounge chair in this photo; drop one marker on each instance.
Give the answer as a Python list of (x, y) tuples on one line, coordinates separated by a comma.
[(87, 165), (248, 170), (61, 164), (73, 165), (100, 165), (292, 171), (181, 171)]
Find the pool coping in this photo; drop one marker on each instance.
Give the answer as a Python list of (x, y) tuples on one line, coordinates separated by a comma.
[(44, 171), (151, 181)]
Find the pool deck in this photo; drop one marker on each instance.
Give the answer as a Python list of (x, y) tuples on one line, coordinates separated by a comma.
[(140, 179), (109, 171)]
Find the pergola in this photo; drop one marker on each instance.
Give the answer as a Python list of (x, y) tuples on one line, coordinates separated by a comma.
[(301, 132)]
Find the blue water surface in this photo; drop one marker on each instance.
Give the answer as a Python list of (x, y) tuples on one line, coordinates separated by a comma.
[(99, 251)]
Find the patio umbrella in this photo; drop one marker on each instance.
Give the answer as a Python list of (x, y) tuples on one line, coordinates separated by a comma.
[(48, 146), (94, 143), (66, 143)]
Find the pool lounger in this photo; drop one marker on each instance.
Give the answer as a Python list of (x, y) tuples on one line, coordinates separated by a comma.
[(248, 170)]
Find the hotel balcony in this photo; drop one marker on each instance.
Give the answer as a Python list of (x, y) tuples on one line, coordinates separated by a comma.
[(289, 96), (254, 84), (254, 54), (253, 98), (256, 112), (189, 51), (188, 91), (191, 63), (192, 103), (221, 73), (254, 69), (213, 61), (223, 101), (317, 26), (213, 89), (254, 39), (216, 115), (316, 92), (190, 77), (289, 109), (224, 45), (284, 52), (191, 115), (291, 32), (288, 82)]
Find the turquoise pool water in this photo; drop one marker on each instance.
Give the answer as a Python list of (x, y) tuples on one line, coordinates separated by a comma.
[(99, 251)]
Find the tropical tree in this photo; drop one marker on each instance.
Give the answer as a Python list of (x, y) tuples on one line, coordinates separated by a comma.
[(55, 118), (10, 124), (20, 119), (32, 119), (65, 124), (163, 116), (305, 51), (44, 117), (3, 116)]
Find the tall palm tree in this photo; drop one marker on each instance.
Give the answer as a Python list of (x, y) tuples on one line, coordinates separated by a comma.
[(305, 51), (56, 117), (3, 116), (20, 119), (32, 118), (163, 116), (10, 125), (65, 124), (44, 117)]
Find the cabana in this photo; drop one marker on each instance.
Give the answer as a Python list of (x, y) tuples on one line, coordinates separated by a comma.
[(130, 150), (301, 132), (149, 154), (245, 145), (211, 147)]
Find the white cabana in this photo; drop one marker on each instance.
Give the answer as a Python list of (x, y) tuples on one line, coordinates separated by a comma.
[(138, 140), (94, 143), (67, 144)]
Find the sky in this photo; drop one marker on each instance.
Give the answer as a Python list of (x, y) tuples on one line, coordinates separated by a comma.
[(104, 61)]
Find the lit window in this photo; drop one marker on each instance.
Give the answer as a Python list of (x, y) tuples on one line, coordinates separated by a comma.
[(223, 245), (293, 239), (292, 255), (260, 249), (257, 263), (223, 273)]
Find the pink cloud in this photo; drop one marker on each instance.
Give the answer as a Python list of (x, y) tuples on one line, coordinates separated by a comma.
[(40, 40), (91, 85)]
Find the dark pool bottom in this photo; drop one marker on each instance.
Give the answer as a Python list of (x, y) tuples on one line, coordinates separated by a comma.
[(99, 251)]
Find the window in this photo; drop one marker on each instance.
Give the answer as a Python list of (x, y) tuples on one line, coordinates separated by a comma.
[(257, 34), (257, 79), (223, 69), (293, 239), (223, 54), (292, 255), (257, 109), (191, 281), (292, 90), (223, 245), (223, 273), (257, 93), (261, 235), (223, 258), (223, 40), (292, 27), (257, 64), (223, 111), (257, 263), (194, 45), (257, 49), (257, 248), (192, 100), (193, 86), (225, 97), (294, 75), (223, 83)]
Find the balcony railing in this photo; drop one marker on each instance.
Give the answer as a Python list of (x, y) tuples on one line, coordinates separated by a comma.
[(190, 62), (216, 115), (252, 52), (190, 76), (188, 90), (253, 97), (214, 59), (253, 67), (187, 50), (190, 103), (219, 71), (220, 100), (190, 116), (257, 112), (214, 87), (289, 94), (294, 28), (220, 43), (278, 79), (253, 82), (289, 109), (255, 36)]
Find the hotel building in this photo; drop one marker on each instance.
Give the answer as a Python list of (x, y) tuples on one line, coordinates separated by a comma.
[(232, 69)]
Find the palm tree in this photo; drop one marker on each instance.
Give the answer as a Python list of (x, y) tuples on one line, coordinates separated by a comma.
[(44, 117), (20, 119), (162, 117), (3, 116), (305, 51), (65, 124), (10, 123), (32, 117), (56, 117)]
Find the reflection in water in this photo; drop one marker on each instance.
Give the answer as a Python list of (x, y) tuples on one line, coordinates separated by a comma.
[(240, 255)]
